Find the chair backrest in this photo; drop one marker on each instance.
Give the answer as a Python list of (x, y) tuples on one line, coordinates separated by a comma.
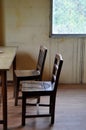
[(41, 60), (58, 61)]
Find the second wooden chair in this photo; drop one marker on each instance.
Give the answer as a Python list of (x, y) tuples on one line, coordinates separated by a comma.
[(36, 74)]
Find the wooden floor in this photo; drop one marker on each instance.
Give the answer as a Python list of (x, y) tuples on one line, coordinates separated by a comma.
[(70, 111)]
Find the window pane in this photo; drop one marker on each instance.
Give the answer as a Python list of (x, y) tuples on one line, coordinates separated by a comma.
[(69, 17)]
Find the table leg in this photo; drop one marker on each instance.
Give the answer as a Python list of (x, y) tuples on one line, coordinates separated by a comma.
[(4, 99), (14, 79)]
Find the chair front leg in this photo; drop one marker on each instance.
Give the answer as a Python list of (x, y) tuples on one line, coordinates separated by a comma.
[(52, 108), (23, 109), (17, 91)]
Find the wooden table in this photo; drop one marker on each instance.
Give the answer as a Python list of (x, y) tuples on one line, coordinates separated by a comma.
[(7, 58)]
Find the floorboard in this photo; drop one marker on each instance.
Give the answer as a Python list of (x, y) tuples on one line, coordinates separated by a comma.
[(70, 111)]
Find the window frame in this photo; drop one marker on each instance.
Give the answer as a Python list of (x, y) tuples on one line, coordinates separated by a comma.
[(60, 35)]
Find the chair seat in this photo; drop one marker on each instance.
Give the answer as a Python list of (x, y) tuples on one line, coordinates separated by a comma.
[(37, 86), (27, 73)]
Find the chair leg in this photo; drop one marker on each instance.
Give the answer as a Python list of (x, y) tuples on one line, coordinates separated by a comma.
[(14, 86), (16, 92), (38, 100), (23, 109), (52, 108)]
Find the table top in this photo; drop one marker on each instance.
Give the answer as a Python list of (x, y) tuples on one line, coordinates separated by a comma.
[(7, 55)]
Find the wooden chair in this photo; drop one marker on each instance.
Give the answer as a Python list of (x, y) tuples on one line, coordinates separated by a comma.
[(36, 74), (42, 88)]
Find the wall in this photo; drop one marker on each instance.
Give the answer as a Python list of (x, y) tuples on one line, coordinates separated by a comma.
[(26, 25), (1, 24)]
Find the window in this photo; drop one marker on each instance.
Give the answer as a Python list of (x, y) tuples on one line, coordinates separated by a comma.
[(68, 18)]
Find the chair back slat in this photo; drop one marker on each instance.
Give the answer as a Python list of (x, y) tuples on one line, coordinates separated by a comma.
[(41, 60), (56, 70)]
